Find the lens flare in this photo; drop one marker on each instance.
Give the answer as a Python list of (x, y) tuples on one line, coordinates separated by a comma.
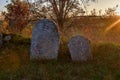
[(112, 26)]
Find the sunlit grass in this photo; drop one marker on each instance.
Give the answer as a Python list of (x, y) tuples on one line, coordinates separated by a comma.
[(16, 65)]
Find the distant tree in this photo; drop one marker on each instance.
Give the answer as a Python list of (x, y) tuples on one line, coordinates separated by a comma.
[(82, 12), (93, 12), (17, 15), (111, 11), (100, 12)]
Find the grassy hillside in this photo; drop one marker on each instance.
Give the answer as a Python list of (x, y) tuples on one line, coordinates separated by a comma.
[(16, 65)]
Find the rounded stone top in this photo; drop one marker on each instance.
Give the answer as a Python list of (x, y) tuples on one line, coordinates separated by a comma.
[(79, 37), (46, 24)]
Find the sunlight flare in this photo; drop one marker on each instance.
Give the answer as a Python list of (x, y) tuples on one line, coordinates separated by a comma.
[(112, 26)]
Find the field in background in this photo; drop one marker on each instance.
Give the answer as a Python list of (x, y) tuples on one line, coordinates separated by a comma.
[(94, 28)]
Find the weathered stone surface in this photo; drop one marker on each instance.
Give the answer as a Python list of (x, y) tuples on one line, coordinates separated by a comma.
[(45, 40), (79, 47)]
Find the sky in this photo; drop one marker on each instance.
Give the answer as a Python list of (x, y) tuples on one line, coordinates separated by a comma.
[(101, 4), (104, 4), (2, 4)]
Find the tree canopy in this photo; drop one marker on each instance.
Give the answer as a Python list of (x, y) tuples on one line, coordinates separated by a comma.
[(17, 15)]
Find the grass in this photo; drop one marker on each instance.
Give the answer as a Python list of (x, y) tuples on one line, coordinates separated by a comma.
[(16, 65)]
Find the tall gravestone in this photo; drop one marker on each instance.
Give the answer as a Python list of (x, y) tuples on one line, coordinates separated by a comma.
[(80, 49), (45, 40)]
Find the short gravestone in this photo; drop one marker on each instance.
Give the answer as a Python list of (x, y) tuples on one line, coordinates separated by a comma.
[(45, 40), (80, 49)]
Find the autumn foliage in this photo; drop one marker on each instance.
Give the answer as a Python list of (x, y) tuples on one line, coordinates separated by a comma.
[(17, 15)]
